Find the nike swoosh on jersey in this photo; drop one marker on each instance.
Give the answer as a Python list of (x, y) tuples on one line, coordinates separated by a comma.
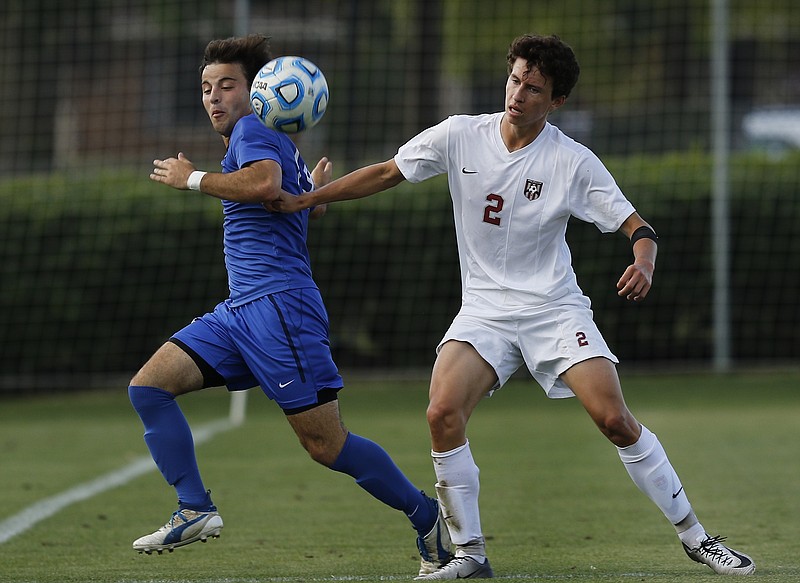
[(284, 385), (465, 171)]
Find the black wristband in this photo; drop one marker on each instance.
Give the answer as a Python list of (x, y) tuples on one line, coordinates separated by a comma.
[(644, 232)]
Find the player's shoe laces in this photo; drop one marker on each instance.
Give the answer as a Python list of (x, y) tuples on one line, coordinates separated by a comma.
[(461, 568), (185, 526), (720, 558), (434, 547)]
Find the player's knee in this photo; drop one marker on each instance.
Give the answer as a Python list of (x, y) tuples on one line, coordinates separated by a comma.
[(316, 453), (324, 456), (170, 369), (320, 450), (140, 379), (444, 418), (619, 427), (147, 378), (437, 415), (166, 378)]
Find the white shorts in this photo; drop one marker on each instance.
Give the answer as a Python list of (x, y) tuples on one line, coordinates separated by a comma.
[(548, 342)]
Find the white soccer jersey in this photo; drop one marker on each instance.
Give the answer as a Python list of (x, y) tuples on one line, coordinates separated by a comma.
[(511, 208)]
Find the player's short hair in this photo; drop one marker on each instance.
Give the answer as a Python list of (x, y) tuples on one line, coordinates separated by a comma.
[(553, 57), (251, 52)]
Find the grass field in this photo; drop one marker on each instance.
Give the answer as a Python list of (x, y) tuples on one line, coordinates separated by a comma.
[(556, 502)]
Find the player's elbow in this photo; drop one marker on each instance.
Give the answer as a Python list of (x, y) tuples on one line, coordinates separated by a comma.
[(259, 183), (390, 174), (261, 193)]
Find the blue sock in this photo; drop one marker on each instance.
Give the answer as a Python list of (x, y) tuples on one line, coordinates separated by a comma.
[(169, 439), (374, 470)]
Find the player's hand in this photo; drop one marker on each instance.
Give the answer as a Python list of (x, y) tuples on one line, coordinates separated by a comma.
[(173, 172), (635, 283), (286, 203), (322, 172), (318, 211)]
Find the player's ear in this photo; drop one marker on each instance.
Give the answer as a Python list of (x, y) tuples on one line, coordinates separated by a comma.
[(557, 102)]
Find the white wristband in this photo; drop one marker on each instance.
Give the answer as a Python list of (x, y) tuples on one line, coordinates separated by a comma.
[(193, 183)]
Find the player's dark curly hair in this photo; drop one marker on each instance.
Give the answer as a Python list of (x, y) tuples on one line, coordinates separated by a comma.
[(251, 52), (552, 56)]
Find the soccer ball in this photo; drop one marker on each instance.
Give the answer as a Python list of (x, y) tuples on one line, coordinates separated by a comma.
[(289, 94)]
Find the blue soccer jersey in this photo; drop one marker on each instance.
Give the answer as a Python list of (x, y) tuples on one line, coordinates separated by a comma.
[(273, 329), (265, 252)]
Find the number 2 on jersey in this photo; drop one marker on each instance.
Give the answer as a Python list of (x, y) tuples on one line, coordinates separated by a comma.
[(492, 210)]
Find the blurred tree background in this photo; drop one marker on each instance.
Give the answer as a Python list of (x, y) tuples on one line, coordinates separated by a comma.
[(98, 265)]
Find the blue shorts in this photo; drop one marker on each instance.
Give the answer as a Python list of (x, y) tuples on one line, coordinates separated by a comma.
[(279, 341)]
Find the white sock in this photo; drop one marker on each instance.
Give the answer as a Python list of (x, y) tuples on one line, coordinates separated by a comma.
[(457, 488), (690, 531), (649, 468)]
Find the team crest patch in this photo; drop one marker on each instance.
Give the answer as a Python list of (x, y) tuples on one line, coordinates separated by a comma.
[(533, 189)]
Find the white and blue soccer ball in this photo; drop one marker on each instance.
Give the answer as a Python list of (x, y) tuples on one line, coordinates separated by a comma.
[(289, 94)]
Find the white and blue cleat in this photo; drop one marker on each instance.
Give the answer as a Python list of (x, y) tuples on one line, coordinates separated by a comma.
[(434, 547), (185, 527), (721, 559)]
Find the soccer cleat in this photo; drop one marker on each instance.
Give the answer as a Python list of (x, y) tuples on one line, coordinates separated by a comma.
[(461, 568), (434, 547), (185, 526), (720, 558)]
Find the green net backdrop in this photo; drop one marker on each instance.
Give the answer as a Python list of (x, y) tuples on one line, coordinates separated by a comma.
[(98, 266)]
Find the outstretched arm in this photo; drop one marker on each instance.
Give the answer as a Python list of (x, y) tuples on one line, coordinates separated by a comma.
[(258, 182), (637, 279), (358, 184)]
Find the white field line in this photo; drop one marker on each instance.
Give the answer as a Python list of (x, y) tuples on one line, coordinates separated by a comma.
[(30, 516)]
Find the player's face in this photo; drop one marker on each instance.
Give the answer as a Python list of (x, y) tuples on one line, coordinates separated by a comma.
[(226, 95), (529, 97)]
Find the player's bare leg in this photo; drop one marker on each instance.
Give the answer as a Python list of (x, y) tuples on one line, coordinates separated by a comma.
[(596, 384), (460, 379)]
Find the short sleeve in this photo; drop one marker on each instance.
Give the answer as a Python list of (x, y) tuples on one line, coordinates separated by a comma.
[(425, 155), (595, 196)]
